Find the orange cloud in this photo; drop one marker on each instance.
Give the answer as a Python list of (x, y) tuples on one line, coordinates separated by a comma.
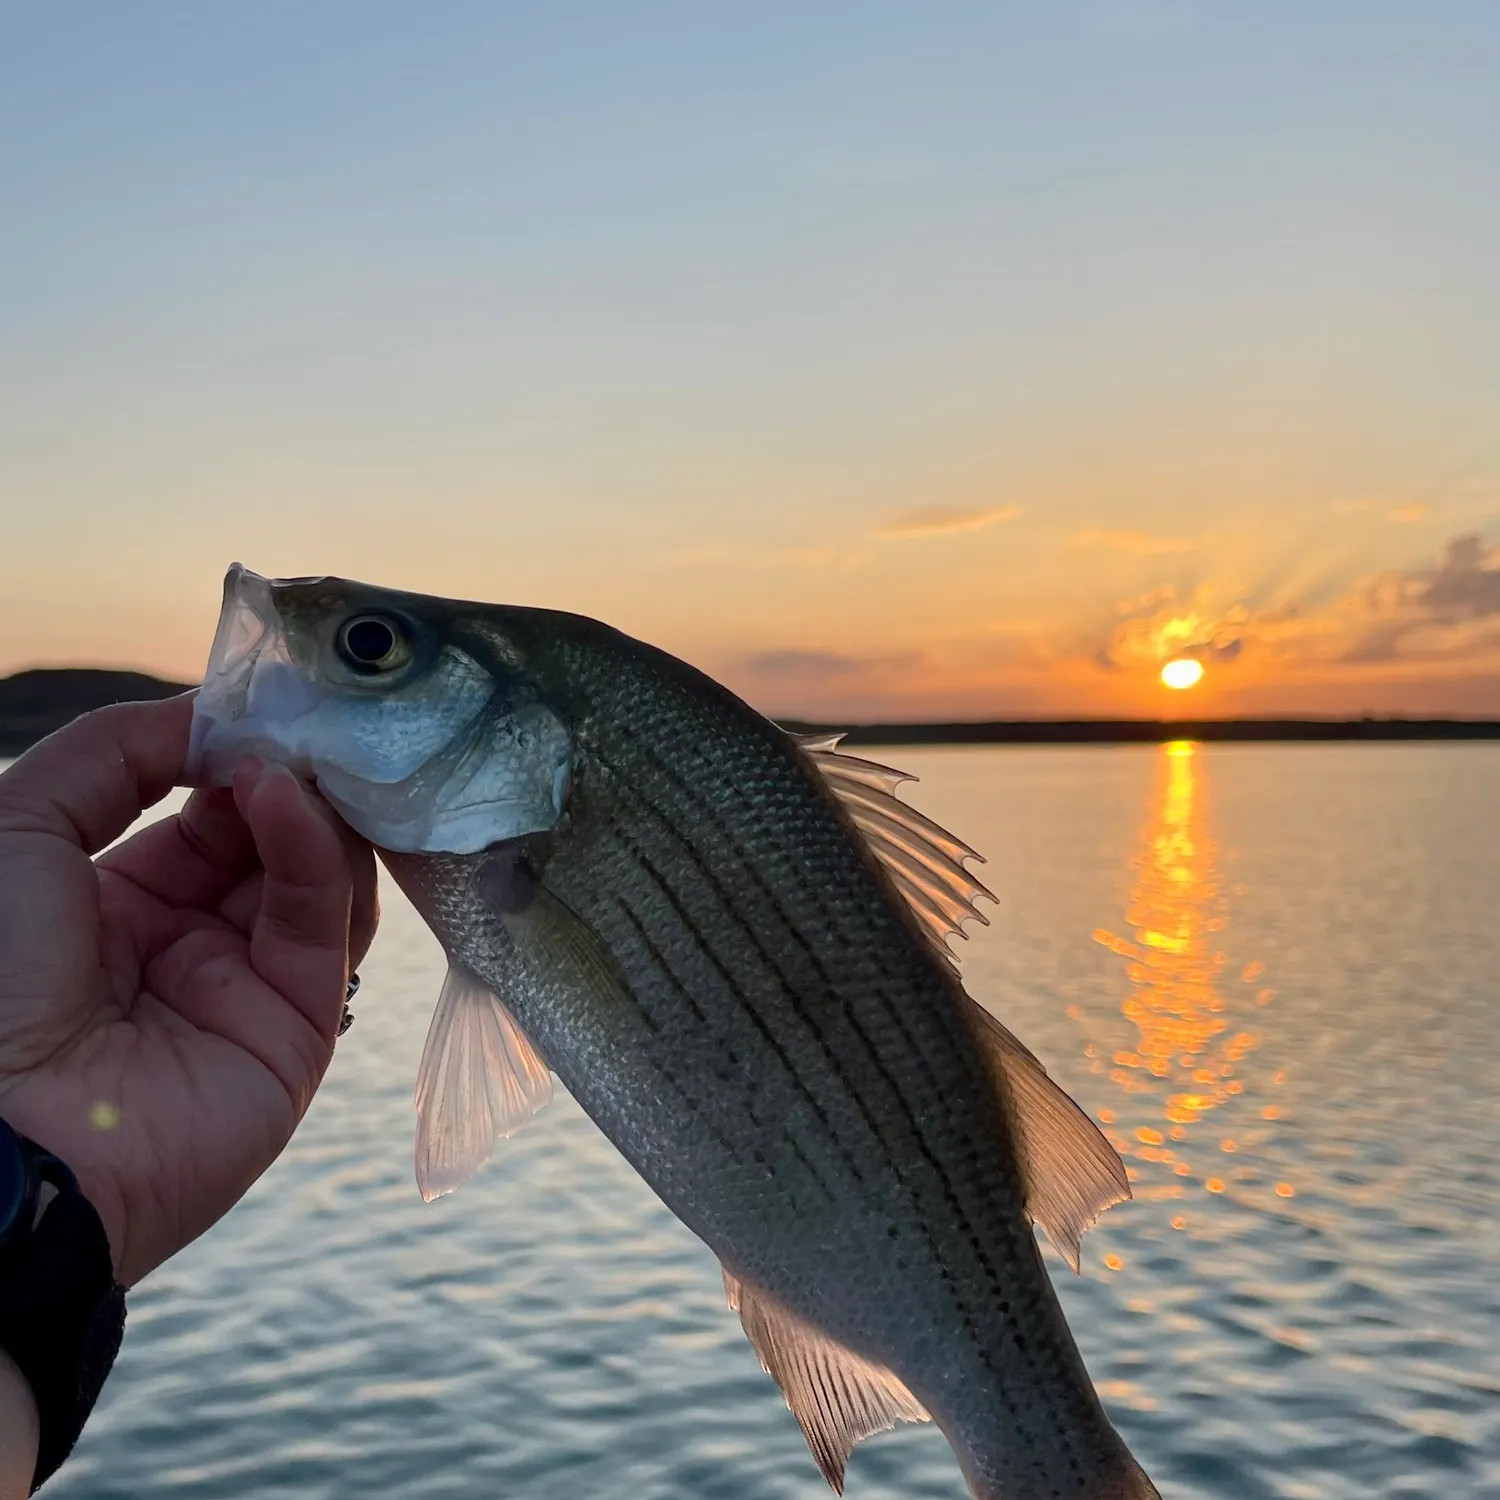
[(1397, 515), (1135, 605), (1448, 613), (1142, 543), (1146, 641), (938, 520)]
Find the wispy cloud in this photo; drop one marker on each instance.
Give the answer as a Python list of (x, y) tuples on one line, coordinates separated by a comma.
[(1406, 514), (824, 559), (1141, 543), (940, 520)]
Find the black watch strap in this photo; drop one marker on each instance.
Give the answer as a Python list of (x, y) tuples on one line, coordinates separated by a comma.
[(61, 1313)]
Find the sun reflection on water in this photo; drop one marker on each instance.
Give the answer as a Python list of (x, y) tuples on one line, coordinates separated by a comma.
[(1188, 1008)]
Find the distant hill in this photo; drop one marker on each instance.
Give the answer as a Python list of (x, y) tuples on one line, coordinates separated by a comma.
[(33, 704)]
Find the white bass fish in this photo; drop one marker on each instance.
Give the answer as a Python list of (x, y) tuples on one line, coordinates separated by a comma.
[(729, 944)]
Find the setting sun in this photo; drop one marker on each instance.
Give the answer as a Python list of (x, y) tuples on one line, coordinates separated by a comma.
[(1185, 672)]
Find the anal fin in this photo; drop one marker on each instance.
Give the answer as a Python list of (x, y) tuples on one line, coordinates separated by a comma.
[(480, 1081), (1072, 1173), (837, 1397)]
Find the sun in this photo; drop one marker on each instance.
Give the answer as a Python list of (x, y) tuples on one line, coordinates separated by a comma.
[(1184, 672)]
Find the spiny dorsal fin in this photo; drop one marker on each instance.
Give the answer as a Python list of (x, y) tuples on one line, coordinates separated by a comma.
[(1072, 1173), (926, 862), (480, 1081), (837, 1397)]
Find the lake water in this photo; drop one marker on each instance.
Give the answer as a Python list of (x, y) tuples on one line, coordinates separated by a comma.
[(1272, 972)]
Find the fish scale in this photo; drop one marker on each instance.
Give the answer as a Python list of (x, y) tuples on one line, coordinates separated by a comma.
[(727, 946)]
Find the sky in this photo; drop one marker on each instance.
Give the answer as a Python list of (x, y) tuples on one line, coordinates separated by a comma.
[(898, 361)]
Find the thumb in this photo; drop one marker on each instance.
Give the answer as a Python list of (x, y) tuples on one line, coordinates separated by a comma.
[(92, 779), (299, 944)]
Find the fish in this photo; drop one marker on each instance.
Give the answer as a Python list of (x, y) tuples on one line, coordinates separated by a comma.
[(730, 944)]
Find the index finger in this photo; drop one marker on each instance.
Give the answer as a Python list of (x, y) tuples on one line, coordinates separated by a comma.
[(92, 779)]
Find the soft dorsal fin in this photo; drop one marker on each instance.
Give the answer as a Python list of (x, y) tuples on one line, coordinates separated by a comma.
[(837, 1397), (1072, 1173), (926, 862), (480, 1081)]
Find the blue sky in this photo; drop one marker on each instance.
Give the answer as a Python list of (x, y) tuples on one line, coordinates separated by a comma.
[(926, 359)]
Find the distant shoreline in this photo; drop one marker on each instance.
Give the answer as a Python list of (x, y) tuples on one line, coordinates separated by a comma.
[(1152, 731), (33, 704)]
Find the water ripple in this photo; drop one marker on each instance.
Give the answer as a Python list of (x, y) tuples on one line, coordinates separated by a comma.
[(1270, 971)]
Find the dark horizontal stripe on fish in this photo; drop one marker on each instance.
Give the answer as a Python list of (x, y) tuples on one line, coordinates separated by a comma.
[(659, 959), (671, 1078), (655, 876), (736, 919), (684, 990), (708, 813), (896, 1014), (893, 1013)]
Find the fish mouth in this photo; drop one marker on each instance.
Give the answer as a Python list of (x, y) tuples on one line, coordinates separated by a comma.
[(252, 690)]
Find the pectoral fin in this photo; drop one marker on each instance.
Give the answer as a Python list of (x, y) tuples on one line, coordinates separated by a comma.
[(512, 884), (837, 1397), (480, 1081), (548, 927), (1072, 1173)]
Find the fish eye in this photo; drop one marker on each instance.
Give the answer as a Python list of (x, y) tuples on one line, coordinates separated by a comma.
[(371, 643)]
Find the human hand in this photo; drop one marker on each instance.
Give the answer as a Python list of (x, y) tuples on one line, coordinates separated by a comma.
[(167, 1010)]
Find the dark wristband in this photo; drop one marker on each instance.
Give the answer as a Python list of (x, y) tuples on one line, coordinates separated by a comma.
[(61, 1318)]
